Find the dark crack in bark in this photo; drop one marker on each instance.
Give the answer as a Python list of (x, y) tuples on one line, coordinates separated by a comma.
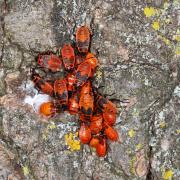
[(2, 23)]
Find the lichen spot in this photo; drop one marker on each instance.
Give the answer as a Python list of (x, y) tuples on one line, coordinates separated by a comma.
[(168, 174), (149, 11), (156, 25), (25, 170), (73, 144), (131, 133)]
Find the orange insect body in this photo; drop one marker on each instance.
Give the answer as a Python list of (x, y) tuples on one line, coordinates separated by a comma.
[(50, 62), (96, 124), (73, 104), (109, 118), (111, 133), (61, 92), (83, 39), (86, 106), (42, 85), (101, 148), (47, 109), (68, 56), (84, 134), (94, 142), (71, 79), (83, 73)]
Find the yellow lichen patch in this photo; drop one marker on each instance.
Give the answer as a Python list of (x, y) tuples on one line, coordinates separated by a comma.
[(177, 50), (73, 144), (25, 170), (166, 5), (162, 124), (51, 126), (149, 11), (44, 136), (156, 25), (178, 131), (135, 112), (131, 133), (168, 20), (176, 37), (129, 151), (165, 40), (168, 175), (46, 131), (138, 146), (132, 162)]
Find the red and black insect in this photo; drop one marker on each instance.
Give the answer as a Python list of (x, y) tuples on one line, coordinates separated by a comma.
[(73, 104), (86, 107), (109, 117), (42, 85), (71, 80), (50, 61), (111, 133), (91, 59), (94, 142), (61, 92), (96, 123), (104, 104), (86, 88), (83, 39), (83, 73), (68, 56)]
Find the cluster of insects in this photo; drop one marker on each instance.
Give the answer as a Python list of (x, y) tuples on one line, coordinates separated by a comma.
[(74, 92)]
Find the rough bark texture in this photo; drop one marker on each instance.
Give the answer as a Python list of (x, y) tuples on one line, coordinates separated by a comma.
[(139, 69)]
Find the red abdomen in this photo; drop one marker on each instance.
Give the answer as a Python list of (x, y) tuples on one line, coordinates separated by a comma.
[(111, 133), (101, 148), (84, 134)]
